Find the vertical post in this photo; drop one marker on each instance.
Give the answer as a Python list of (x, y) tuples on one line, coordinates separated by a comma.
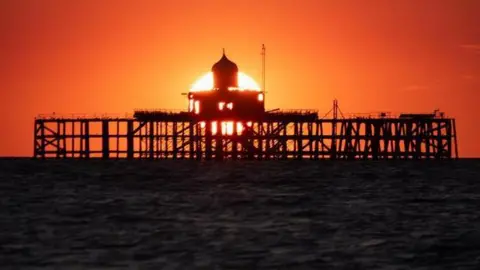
[(268, 137), (105, 139), (397, 150), (310, 139), (333, 147), (368, 142), (57, 138), (182, 140), (151, 139), (82, 134), (64, 139), (234, 139), (299, 128), (347, 138), (87, 138), (439, 150), (72, 134), (428, 139), (157, 139), (418, 139), (383, 140), (219, 137), (341, 137), (208, 140), (163, 139), (174, 140), (140, 139), (322, 138), (35, 136), (259, 135), (375, 138), (190, 139), (117, 137), (284, 140), (43, 144), (408, 138), (39, 148), (130, 139), (317, 137), (454, 137), (251, 141), (354, 149), (167, 136), (199, 136)]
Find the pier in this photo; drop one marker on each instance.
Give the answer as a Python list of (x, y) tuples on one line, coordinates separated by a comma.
[(226, 119), (275, 135)]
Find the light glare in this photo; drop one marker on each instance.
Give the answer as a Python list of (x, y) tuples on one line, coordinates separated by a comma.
[(205, 83)]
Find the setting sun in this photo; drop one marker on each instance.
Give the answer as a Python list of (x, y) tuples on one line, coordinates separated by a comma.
[(205, 83)]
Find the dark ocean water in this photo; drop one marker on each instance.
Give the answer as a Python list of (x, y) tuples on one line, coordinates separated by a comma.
[(242, 215)]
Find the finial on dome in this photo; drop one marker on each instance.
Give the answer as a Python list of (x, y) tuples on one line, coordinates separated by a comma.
[(223, 51)]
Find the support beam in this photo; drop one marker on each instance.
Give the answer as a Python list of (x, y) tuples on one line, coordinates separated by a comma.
[(105, 139), (390, 138), (130, 134)]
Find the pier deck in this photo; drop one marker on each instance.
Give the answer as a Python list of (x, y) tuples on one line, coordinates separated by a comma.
[(276, 135)]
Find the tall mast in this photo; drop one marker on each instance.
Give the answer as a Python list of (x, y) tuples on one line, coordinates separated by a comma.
[(263, 67)]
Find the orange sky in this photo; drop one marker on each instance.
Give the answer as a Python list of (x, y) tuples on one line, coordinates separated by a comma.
[(114, 55)]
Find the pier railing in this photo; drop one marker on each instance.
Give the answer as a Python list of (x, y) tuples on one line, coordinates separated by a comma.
[(72, 116)]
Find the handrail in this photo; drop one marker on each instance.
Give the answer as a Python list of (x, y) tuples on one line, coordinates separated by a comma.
[(61, 116), (158, 110), (100, 116), (293, 111), (381, 115)]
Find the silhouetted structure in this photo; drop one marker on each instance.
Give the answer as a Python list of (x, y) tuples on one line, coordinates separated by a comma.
[(227, 122), (226, 101)]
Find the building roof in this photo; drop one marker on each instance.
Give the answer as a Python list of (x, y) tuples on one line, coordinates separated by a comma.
[(224, 64)]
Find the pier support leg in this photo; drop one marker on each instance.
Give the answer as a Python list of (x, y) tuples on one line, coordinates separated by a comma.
[(105, 140), (151, 140), (130, 139), (208, 141)]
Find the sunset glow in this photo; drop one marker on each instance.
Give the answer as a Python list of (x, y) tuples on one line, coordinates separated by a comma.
[(205, 83), (226, 127), (110, 57)]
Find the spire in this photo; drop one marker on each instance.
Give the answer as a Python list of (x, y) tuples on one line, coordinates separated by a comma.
[(223, 51)]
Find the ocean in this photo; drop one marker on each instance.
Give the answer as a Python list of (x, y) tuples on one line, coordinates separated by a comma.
[(140, 214)]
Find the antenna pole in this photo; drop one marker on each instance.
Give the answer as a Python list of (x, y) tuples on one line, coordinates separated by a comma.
[(263, 67)]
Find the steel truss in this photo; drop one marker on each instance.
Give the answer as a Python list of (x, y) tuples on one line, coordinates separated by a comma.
[(356, 138)]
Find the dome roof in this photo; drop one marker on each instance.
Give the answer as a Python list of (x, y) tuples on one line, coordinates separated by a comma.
[(224, 64)]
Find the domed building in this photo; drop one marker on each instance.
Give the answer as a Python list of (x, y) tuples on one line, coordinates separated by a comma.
[(225, 74), (226, 101)]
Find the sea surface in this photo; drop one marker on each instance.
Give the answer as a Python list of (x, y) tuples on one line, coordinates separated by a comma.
[(73, 214)]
